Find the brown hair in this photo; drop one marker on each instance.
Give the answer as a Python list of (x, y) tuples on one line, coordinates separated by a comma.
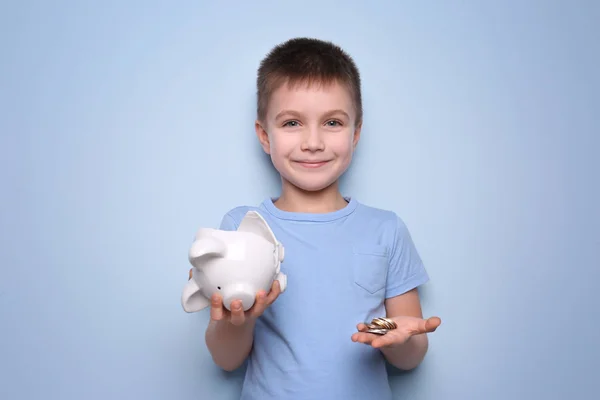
[(308, 61)]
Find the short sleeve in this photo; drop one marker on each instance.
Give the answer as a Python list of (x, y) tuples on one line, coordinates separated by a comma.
[(406, 270), (228, 223)]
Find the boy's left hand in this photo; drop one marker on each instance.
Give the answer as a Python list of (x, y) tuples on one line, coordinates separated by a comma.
[(406, 328)]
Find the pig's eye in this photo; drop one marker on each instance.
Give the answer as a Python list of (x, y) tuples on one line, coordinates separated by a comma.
[(219, 287)]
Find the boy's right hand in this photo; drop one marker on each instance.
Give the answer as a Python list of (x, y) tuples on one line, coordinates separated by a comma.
[(237, 316)]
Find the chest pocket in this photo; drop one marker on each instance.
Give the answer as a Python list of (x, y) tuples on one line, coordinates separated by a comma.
[(370, 265)]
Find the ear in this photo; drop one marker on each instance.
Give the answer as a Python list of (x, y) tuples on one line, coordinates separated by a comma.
[(356, 137), (206, 246), (263, 136), (192, 299)]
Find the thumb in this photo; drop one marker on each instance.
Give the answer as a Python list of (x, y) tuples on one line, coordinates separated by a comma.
[(430, 324)]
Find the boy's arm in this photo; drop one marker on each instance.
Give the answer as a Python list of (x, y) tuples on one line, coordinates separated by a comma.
[(406, 273), (229, 344), (230, 334), (229, 338), (405, 346), (410, 354)]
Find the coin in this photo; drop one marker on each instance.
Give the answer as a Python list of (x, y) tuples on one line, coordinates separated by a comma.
[(384, 323), (380, 326), (377, 331)]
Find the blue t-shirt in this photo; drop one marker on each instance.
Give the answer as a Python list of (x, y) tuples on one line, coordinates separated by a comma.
[(340, 267)]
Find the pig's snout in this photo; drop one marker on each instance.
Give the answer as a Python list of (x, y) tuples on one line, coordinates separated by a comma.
[(238, 291)]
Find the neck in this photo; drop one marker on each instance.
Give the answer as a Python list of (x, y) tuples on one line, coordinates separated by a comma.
[(294, 199)]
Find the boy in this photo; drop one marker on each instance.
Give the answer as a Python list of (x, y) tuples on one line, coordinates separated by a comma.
[(346, 262)]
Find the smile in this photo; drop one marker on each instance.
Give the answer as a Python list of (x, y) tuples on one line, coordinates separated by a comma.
[(311, 164)]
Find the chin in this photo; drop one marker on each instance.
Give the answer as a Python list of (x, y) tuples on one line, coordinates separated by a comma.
[(311, 187), (311, 183)]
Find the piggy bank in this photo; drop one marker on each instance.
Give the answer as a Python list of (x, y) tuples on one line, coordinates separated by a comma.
[(237, 264)]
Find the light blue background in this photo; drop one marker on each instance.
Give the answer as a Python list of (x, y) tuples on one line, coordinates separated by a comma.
[(127, 125)]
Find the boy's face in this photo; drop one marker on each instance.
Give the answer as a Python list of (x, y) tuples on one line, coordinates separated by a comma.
[(310, 133)]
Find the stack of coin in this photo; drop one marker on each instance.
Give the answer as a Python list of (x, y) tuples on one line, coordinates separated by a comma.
[(380, 326)]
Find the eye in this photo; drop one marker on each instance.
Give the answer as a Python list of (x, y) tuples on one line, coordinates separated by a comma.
[(333, 123), (219, 287), (291, 123)]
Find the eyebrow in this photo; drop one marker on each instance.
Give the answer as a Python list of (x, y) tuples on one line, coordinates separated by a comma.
[(284, 112), (328, 113)]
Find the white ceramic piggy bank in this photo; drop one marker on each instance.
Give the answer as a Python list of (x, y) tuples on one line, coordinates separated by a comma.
[(237, 264)]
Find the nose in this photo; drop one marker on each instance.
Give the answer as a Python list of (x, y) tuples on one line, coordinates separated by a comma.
[(313, 140)]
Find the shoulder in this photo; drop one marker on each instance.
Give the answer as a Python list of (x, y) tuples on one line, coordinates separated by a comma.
[(385, 226), (386, 220), (374, 212)]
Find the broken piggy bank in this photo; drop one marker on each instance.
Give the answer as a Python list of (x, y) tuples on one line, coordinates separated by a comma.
[(236, 264)]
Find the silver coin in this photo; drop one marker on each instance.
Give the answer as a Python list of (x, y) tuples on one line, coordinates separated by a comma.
[(377, 331)]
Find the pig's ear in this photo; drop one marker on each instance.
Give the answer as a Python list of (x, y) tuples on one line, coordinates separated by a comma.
[(206, 246), (192, 299), (255, 223)]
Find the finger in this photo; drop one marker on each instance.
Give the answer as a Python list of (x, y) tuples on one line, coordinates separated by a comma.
[(432, 324), (216, 307), (361, 327), (237, 313), (386, 340), (259, 304), (363, 337), (274, 293), (429, 325)]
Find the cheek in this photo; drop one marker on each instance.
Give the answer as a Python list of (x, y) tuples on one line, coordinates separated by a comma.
[(342, 147), (281, 145)]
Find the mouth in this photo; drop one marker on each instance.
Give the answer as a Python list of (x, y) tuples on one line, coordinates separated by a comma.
[(311, 164)]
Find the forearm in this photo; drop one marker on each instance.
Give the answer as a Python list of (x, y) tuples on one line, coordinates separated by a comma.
[(408, 355), (228, 344)]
